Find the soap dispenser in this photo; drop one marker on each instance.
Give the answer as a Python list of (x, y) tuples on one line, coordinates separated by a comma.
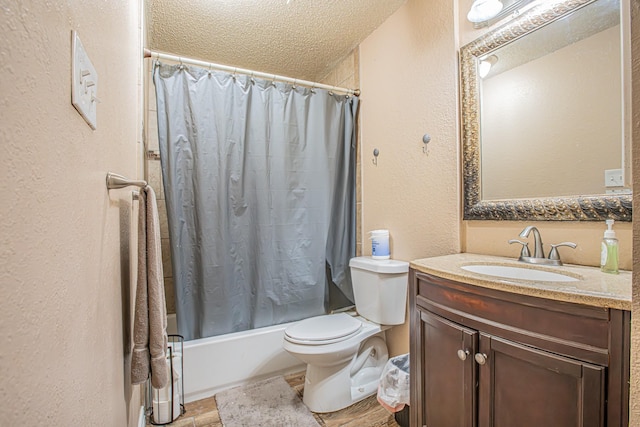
[(609, 250)]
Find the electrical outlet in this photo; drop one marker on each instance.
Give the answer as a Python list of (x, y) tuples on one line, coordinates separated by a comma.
[(613, 178), (84, 82)]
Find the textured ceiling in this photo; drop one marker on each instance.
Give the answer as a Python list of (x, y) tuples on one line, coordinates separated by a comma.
[(303, 39)]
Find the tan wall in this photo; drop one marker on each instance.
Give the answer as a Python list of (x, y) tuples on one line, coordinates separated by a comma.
[(409, 88), (65, 311)]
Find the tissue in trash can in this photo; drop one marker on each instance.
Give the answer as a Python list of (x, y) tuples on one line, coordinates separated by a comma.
[(393, 391)]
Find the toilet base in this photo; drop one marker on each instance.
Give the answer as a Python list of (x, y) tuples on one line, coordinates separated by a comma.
[(329, 389)]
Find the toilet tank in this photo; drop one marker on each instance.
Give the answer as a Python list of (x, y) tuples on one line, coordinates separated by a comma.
[(380, 289)]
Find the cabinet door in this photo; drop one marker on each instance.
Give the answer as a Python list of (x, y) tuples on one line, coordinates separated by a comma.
[(449, 382), (524, 387)]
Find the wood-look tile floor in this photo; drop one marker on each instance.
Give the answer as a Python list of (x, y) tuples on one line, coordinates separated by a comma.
[(366, 413)]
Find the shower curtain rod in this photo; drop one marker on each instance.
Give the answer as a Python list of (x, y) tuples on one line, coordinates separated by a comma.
[(159, 55)]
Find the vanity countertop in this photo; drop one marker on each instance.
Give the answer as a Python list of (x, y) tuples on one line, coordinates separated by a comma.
[(594, 288)]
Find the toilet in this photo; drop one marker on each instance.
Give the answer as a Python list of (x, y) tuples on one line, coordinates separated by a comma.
[(345, 353)]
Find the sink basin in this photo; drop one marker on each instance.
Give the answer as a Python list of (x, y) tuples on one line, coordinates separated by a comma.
[(508, 272)]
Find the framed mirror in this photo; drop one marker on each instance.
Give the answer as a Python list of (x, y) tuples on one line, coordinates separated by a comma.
[(544, 123)]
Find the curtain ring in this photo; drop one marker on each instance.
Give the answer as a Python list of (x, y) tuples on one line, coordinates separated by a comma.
[(253, 81), (273, 80), (235, 70), (294, 84), (313, 89)]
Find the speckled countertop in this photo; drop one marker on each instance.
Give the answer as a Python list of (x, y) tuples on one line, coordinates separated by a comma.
[(594, 288)]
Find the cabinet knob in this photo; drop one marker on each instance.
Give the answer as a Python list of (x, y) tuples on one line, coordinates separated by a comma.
[(481, 358), (462, 354)]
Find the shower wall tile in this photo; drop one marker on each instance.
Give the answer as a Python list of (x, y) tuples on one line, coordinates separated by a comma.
[(162, 214), (349, 82), (152, 132), (167, 268), (152, 95), (345, 70), (169, 295), (154, 178), (356, 65)]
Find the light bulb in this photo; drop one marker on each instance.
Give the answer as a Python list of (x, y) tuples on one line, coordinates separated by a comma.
[(483, 10), (485, 65), (484, 68)]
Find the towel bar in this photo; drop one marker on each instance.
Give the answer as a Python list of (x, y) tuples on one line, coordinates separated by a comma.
[(115, 181)]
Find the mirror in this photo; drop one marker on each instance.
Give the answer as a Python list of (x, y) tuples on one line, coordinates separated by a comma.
[(544, 118)]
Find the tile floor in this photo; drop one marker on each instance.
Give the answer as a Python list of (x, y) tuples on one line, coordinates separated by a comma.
[(367, 413)]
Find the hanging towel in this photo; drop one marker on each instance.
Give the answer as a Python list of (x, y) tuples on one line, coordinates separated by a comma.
[(150, 323)]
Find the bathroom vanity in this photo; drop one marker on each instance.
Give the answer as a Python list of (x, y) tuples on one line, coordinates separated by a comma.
[(494, 351)]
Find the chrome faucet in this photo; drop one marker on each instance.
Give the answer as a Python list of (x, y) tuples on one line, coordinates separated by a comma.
[(538, 252)]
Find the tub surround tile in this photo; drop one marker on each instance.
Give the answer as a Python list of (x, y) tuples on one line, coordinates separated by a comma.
[(169, 295), (152, 132), (164, 223), (594, 288), (154, 178), (167, 268)]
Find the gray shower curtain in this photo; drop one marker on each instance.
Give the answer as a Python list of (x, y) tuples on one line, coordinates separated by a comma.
[(259, 184)]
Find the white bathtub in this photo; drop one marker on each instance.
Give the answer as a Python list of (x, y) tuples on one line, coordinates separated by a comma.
[(217, 363)]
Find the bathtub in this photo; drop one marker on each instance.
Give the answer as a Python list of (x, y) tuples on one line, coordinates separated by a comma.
[(217, 363)]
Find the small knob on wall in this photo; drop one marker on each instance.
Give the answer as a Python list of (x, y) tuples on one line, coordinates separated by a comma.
[(425, 140)]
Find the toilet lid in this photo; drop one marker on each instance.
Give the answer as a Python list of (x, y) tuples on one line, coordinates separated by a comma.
[(323, 329)]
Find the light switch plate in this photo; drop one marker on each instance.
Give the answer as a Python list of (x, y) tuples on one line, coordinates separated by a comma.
[(613, 178), (84, 82)]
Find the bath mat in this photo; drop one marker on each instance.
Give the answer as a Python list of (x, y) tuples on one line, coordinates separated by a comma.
[(271, 402)]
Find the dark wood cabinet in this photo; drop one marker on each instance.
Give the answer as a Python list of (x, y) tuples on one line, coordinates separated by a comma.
[(488, 358)]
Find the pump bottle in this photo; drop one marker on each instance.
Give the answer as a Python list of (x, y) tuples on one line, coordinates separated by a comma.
[(609, 250)]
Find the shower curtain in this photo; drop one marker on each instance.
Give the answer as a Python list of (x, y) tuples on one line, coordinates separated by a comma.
[(259, 182)]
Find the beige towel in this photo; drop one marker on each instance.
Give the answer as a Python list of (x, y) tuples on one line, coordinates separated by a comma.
[(150, 323)]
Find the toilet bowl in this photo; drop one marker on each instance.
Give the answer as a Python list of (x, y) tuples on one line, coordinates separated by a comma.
[(345, 353)]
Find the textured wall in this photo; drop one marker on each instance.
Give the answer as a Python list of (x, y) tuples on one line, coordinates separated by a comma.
[(409, 88), (65, 311)]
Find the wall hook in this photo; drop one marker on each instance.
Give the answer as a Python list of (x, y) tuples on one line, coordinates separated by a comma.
[(376, 152), (426, 139)]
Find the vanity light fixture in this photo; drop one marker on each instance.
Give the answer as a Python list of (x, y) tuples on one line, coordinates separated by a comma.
[(485, 65), (483, 10)]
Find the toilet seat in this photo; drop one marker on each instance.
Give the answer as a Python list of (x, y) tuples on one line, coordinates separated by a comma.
[(321, 330)]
